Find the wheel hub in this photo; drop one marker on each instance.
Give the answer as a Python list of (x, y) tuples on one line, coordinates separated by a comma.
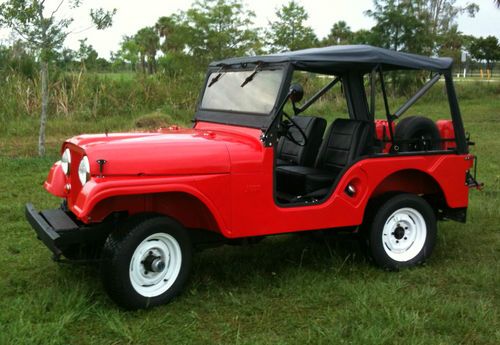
[(399, 232), (153, 263)]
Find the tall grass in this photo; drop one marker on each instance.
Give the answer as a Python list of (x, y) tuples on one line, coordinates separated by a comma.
[(92, 95), (284, 290), (98, 102)]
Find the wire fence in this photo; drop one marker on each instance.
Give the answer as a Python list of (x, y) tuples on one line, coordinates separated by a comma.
[(477, 71)]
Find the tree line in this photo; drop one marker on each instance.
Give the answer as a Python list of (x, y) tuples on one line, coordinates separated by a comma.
[(183, 43), (216, 29)]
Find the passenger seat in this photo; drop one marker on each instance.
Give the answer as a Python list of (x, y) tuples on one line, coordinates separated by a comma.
[(345, 141)]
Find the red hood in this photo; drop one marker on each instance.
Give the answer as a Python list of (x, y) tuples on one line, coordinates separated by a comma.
[(167, 152)]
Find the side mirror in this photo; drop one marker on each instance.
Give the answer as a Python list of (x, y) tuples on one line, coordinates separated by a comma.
[(296, 93)]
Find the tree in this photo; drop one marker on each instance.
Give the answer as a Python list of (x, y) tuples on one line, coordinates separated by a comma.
[(172, 29), (18, 58), (451, 43), (486, 49), (66, 59), (289, 31), (340, 33), (148, 42), (129, 51), (216, 29), (415, 25), (87, 54), (399, 27), (363, 36), (441, 15), (39, 27)]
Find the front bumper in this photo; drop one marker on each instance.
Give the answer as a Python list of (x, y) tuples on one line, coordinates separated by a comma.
[(54, 228)]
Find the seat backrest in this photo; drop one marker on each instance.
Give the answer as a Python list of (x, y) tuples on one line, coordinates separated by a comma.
[(345, 141), (289, 153)]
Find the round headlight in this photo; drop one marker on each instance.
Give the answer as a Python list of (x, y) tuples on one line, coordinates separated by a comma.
[(84, 170), (66, 161)]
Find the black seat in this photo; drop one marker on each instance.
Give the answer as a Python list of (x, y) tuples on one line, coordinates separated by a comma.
[(345, 141), (289, 153)]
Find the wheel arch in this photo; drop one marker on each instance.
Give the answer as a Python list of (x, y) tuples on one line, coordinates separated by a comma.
[(411, 181), (184, 207)]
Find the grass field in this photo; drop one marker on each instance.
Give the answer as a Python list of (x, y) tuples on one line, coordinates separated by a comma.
[(284, 290)]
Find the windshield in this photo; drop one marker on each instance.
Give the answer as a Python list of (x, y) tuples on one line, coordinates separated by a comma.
[(224, 91)]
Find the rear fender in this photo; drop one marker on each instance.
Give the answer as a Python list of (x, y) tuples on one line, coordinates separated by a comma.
[(408, 181)]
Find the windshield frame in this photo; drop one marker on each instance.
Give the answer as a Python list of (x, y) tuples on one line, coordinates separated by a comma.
[(239, 118)]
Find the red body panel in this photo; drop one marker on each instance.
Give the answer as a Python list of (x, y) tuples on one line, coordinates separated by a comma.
[(447, 133), (221, 178), (383, 134), (56, 181)]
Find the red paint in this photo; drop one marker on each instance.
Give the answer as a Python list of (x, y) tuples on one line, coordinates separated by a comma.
[(383, 134), (56, 181), (447, 133), (220, 177)]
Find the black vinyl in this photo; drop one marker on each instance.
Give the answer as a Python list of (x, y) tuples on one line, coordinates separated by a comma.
[(344, 142), (340, 58), (289, 153)]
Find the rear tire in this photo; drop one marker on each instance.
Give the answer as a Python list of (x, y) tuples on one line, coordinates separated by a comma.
[(402, 232), (146, 262)]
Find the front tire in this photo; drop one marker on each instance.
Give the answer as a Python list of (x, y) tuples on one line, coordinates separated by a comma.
[(402, 233), (146, 262)]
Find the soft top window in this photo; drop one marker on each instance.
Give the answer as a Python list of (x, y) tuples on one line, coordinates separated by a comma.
[(243, 91)]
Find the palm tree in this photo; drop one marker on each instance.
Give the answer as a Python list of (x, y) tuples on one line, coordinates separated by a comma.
[(340, 33), (149, 43), (175, 32), (165, 26)]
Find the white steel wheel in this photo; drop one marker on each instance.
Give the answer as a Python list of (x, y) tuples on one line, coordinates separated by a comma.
[(404, 234), (146, 261), (155, 264)]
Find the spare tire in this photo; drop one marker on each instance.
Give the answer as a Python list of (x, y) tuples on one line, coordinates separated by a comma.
[(416, 133)]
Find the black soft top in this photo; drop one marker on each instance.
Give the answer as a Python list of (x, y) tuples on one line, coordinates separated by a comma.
[(338, 59)]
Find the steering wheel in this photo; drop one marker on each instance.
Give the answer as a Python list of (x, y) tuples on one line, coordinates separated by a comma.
[(302, 141)]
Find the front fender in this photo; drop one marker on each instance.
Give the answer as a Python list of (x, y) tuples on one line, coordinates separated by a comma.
[(56, 181), (99, 189)]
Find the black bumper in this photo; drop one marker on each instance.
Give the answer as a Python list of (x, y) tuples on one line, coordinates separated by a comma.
[(54, 228)]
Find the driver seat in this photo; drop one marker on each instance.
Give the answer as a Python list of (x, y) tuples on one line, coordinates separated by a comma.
[(289, 153)]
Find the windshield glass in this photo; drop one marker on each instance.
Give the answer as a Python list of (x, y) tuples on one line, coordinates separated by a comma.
[(257, 96)]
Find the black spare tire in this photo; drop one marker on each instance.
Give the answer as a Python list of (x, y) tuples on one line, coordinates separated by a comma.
[(416, 133)]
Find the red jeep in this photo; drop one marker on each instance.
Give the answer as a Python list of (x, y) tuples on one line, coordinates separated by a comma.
[(140, 202)]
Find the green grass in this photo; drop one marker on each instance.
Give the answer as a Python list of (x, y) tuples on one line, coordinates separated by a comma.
[(285, 290)]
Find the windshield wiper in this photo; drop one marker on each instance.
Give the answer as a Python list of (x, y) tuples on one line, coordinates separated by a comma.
[(215, 79), (250, 77)]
